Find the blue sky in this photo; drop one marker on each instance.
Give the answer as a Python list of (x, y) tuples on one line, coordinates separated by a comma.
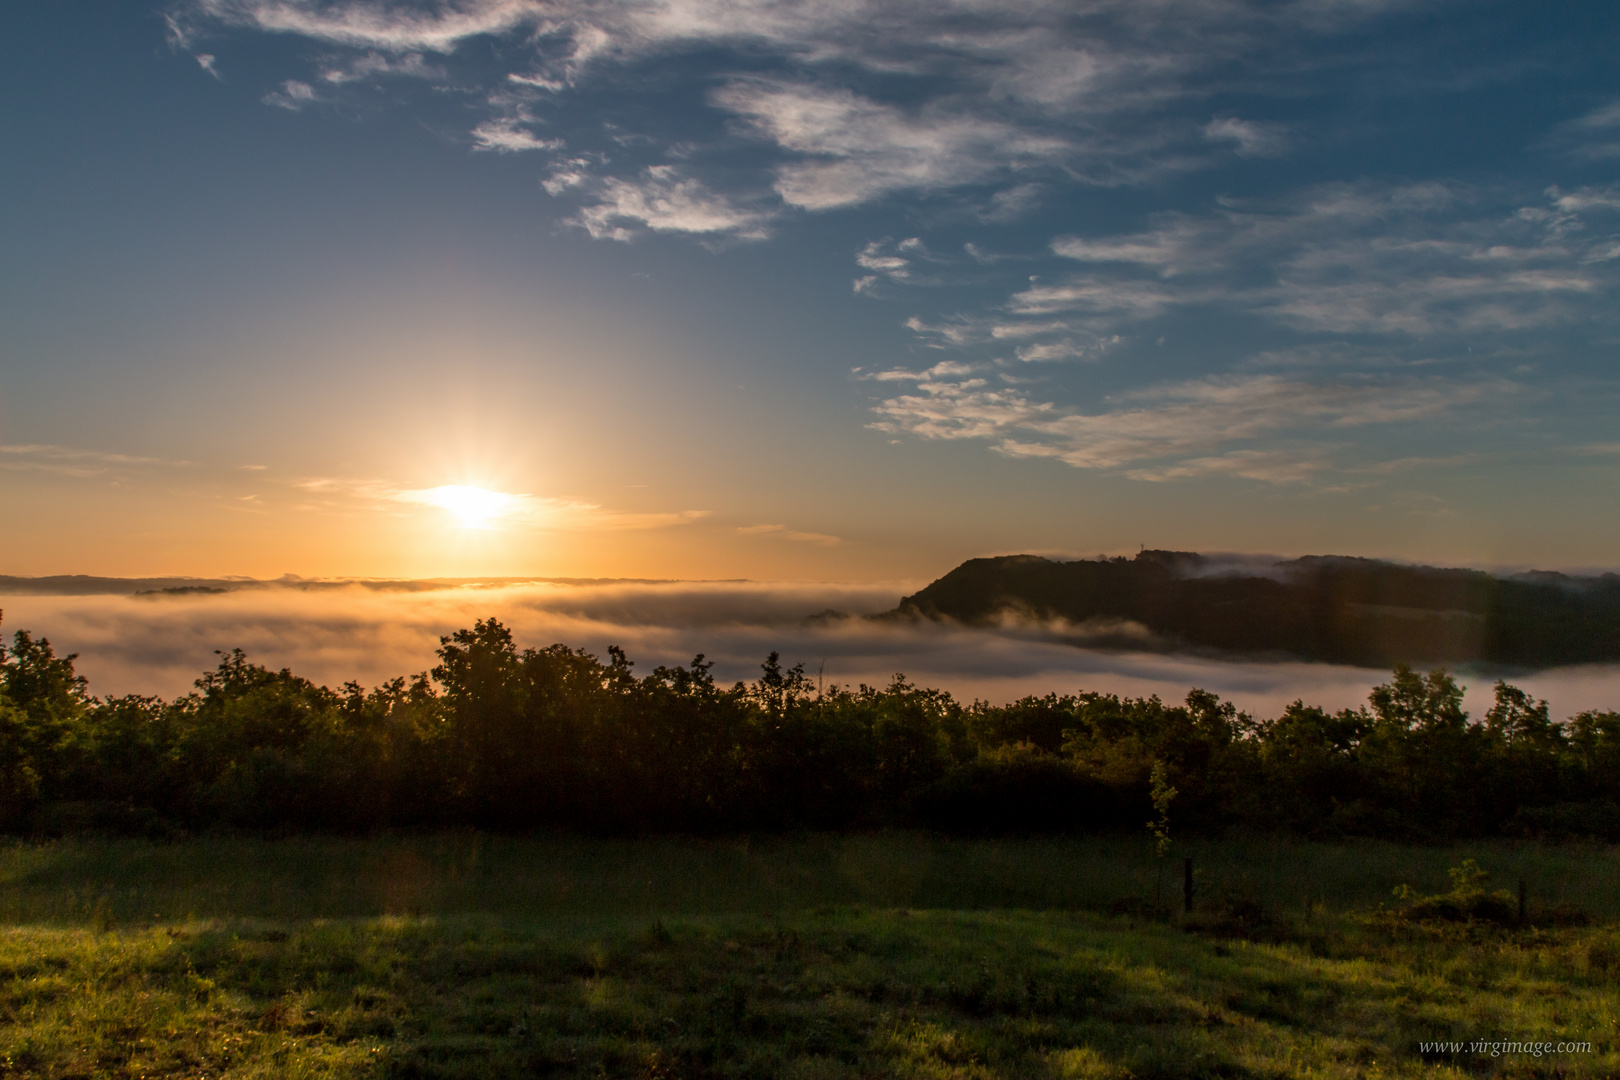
[(805, 289)]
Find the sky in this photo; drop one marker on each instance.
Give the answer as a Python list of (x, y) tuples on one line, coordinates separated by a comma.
[(816, 291)]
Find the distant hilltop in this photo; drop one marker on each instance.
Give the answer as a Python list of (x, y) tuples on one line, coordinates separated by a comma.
[(1330, 608), (158, 587)]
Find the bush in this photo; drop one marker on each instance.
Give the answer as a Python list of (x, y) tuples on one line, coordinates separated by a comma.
[(520, 739), (1598, 819), (1466, 902), (1016, 789)]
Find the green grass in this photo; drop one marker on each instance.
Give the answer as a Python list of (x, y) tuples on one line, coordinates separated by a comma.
[(66, 882), (889, 955)]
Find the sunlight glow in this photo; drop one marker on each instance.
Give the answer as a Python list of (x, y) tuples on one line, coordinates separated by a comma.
[(473, 507)]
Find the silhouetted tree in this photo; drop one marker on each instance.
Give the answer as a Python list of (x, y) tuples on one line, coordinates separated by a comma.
[(522, 739)]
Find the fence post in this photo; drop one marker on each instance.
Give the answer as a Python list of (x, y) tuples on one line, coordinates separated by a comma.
[(1187, 886)]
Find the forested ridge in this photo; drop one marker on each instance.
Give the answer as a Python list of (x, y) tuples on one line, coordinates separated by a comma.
[(519, 739), (1342, 610)]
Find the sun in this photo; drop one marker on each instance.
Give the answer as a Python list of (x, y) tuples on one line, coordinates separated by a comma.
[(473, 507)]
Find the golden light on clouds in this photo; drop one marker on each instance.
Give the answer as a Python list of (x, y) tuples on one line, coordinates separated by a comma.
[(471, 507)]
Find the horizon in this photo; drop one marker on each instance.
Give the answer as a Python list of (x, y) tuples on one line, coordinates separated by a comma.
[(1237, 560), (160, 643)]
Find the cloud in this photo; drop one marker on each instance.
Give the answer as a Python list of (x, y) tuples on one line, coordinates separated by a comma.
[(953, 331), (1095, 296), (206, 62), (474, 507), (893, 266), (782, 532), (479, 507), (506, 137), (177, 32), (945, 369), (855, 150), (1036, 53), (293, 95), (1006, 96), (852, 101), (1408, 463), (1010, 204), (1269, 466), (1185, 429), (1252, 139), (1065, 349), (895, 262), (966, 409), (662, 199), (1163, 248), (332, 634), (71, 461), (375, 65), (1584, 199), (370, 25), (1064, 340), (1350, 258), (1601, 119), (983, 257), (1594, 137), (1198, 415)]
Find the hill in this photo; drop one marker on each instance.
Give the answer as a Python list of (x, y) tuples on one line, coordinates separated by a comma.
[(1331, 608)]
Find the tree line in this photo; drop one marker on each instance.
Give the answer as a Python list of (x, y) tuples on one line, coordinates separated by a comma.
[(517, 739)]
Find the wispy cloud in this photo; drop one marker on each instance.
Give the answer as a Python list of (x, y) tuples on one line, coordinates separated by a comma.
[(481, 507), (1033, 340), (370, 25), (662, 199), (896, 262), (1094, 296), (1348, 258), (853, 150), (1419, 266), (1185, 429), (374, 65), (1289, 466), (507, 136), (72, 461), (1594, 137), (782, 532), (1250, 138), (293, 95), (1067, 348), (857, 101)]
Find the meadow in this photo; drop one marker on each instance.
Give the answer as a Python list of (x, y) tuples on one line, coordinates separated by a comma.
[(466, 954)]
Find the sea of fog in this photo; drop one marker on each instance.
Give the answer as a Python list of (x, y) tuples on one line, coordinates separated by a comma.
[(158, 644)]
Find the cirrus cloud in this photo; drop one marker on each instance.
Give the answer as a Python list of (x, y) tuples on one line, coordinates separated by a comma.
[(1183, 429), (856, 100)]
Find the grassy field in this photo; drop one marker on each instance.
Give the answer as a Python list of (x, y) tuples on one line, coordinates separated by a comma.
[(887, 955)]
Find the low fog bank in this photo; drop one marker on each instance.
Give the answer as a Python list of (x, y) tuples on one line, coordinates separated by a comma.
[(159, 644)]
